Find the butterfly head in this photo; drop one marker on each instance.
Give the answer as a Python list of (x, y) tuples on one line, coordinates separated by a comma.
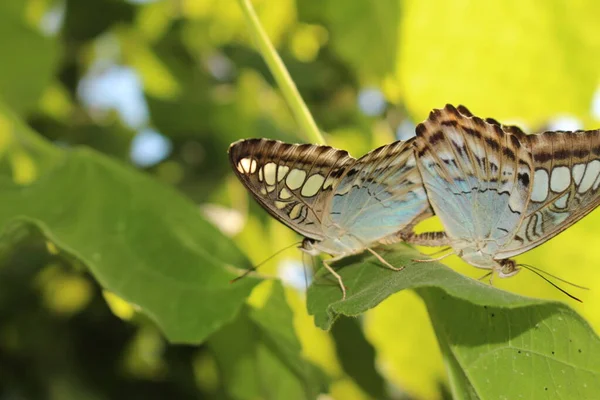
[(507, 268), (308, 246)]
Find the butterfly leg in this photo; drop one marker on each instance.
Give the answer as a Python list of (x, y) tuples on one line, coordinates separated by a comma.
[(435, 259), (337, 276), (435, 253), (387, 264)]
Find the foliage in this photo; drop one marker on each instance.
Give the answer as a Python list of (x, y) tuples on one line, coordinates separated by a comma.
[(114, 273), (481, 330)]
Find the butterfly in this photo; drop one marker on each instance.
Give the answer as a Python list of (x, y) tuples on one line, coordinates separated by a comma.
[(500, 192), (341, 205)]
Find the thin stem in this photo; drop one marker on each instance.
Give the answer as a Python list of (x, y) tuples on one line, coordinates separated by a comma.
[(286, 84)]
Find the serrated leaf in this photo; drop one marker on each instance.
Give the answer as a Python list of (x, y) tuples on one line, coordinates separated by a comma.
[(539, 347)]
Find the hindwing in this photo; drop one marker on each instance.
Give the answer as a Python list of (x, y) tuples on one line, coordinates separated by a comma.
[(477, 174)]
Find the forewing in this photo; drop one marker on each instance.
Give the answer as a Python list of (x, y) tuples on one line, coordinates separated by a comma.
[(565, 186), (291, 181), (476, 173), (380, 194)]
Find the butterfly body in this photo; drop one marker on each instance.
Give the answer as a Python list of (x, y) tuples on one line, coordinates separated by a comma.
[(500, 192)]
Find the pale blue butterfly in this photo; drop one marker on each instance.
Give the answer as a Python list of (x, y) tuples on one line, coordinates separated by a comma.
[(500, 192), (341, 205)]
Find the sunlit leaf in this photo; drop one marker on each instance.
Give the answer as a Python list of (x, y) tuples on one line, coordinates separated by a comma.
[(542, 346), (407, 349), (505, 59)]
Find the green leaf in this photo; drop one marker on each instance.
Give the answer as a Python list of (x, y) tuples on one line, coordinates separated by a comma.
[(532, 346), (368, 283), (357, 357), (86, 20), (30, 58), (485, 57), (460, 387), (538, 351), (140, 239), (364, 33), (259, 354)]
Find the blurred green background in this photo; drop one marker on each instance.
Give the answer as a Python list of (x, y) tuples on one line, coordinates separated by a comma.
[(167, 85)]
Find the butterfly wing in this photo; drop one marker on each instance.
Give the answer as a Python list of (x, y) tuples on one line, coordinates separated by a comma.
[(477, 175), (565, 186), (291, 181), (379, 195)]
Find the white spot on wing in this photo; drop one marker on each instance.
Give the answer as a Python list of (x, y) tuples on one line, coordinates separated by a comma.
[(597, 183), (562, 201), (539, 225), (285, 194), (561, 179), (269, 172), (295, 212), (578, 171), (540, 186), (312, 185), (240, 167), (295, 178), (247, 165), (516, 202), (280, 204), (328, 182), (281, 172), (591, 173), (260, 174)]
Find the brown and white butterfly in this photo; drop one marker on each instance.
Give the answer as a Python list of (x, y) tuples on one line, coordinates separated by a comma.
[(341, 205), (500, 192)]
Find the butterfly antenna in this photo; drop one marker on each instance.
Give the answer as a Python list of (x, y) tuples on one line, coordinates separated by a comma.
[(485, 276), (535, 271), (530, 267), (254, 268)]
